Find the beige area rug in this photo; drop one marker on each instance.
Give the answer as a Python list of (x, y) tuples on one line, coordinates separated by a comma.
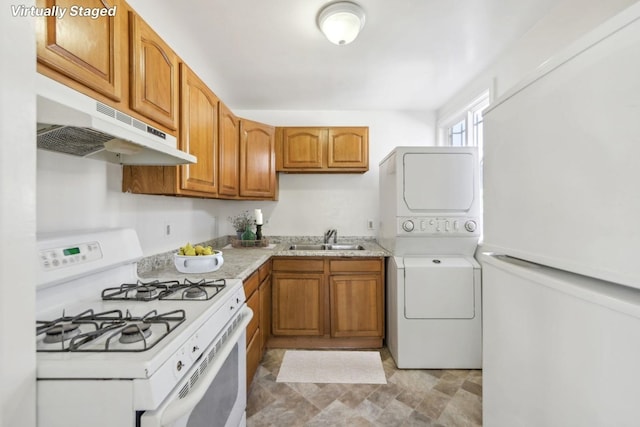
[(350, 367)]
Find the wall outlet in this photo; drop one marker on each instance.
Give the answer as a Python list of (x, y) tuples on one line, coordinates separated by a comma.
[(370, 224), (167, 230)]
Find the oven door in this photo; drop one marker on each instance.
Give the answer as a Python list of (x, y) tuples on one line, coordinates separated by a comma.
[(214, 391)]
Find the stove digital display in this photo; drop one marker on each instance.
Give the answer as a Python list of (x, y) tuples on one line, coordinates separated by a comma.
[(71, 251)]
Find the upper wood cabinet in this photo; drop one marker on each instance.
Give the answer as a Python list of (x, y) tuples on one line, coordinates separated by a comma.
[(154, 74), (318, 149), (229, 143), (88, 51), (198, 133), (198, 136), (348, 149), (257, 160), (301, 148)]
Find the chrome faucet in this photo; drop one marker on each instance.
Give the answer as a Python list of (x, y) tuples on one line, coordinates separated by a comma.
[(331, 232)]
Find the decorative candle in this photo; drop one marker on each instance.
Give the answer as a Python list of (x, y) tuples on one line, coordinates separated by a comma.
[(258, 214)]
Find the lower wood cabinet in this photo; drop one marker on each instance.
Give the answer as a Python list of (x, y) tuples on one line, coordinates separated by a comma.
[(298, 304), (327, 302), (356, 305), (257, 288)]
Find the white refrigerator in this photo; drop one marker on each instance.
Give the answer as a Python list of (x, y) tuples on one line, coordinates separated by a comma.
[(561, 251)]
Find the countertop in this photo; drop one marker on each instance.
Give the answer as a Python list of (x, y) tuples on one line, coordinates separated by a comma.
[(240, 263)]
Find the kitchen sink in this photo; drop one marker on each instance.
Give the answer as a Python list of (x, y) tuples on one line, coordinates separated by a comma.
[(325, 247)]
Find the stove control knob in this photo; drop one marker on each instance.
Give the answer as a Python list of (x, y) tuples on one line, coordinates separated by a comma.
[(408, 226), (470, 226)]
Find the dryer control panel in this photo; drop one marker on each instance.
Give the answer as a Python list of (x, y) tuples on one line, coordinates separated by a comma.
[(434, 226)]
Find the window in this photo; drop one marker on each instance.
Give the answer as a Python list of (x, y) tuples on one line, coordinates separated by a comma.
[(465, 127), (458, 134)]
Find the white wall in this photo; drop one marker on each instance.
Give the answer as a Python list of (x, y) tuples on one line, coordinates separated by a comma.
[(17, 221), (567, 21), (75, 193)]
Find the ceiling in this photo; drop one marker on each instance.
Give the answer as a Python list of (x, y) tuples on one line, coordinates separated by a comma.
[(411, 54)]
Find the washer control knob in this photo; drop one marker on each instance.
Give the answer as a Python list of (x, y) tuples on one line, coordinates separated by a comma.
[(408, 225), (470, 226)]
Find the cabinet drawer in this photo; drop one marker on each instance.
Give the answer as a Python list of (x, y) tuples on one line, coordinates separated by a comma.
[(254, 304), (298, 264), (355, 265), (264, 271), (254, 355), (251, 284)]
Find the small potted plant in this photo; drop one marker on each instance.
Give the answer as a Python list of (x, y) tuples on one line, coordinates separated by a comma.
[(241, 222)]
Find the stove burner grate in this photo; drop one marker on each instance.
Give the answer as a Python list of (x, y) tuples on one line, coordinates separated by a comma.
[(64, 328), (146, 292), (195, 290), (139, 291), (109, 325)]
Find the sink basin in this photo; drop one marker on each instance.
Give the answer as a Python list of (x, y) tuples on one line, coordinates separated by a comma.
[(326, 247), (338, 247), (305, 247)]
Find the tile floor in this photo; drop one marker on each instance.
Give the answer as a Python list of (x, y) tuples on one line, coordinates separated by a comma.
[(451, 398)]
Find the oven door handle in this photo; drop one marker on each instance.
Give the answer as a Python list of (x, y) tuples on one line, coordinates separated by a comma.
[(173, 410)]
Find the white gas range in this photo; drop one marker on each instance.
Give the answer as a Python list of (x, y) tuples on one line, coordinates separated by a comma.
[(113, 350)]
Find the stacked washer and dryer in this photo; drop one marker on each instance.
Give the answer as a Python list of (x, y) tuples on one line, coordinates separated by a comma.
[(430, 222)]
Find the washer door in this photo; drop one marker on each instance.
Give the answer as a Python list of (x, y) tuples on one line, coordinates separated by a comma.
[(438, 288)]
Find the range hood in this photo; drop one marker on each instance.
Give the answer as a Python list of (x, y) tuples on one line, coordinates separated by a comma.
[(73, 123)]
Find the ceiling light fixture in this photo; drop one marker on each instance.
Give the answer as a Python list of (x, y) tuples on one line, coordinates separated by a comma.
[(341, 22)]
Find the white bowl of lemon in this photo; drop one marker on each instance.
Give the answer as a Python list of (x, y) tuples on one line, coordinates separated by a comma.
[(197, 259)]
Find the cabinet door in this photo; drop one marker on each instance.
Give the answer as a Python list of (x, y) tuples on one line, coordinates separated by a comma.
[(257, 160), (86, 50), (348, 148), (356, 305), (302, 148), (198, 133), (254, 355), (154, 74), (265, 312), (298, 304), (253, 302), (229, 148)]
